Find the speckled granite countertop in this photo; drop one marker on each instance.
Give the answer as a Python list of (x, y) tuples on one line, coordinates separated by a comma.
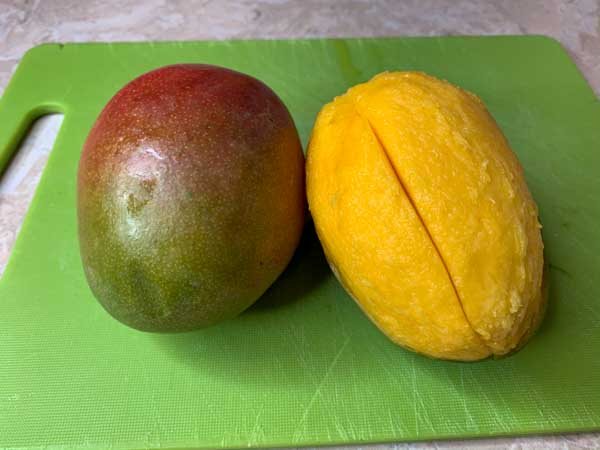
[(25, 23)]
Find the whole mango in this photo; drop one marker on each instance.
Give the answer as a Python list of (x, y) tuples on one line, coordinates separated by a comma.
[(425, 216), (190, 197)]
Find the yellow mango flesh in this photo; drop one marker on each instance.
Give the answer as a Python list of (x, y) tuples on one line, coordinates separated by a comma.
[(425, 216)]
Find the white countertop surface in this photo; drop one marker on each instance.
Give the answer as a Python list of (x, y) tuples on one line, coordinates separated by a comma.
[(24, 23)]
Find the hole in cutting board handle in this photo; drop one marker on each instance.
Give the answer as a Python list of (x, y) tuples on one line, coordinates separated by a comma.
[(20, 178)]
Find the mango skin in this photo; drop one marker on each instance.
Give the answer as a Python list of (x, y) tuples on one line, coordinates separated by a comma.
[(425, 217), (190, 197)]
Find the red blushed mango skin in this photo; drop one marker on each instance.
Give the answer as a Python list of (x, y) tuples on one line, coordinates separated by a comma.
[(190, 197)]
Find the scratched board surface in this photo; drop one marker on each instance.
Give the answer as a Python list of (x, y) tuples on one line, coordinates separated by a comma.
[(303, 366)]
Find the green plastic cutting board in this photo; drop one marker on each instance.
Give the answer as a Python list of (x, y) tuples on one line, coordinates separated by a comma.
[(303, 366)]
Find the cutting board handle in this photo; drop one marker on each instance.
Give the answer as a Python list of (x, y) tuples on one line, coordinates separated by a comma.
[(15, 125)]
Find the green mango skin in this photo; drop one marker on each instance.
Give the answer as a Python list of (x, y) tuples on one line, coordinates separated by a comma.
[(190, 197)]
